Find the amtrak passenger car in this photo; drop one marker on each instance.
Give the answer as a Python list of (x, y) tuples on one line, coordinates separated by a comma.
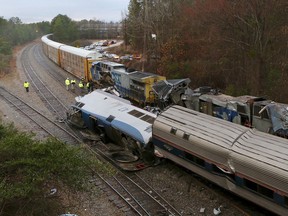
[(115, 119), (247, 162)]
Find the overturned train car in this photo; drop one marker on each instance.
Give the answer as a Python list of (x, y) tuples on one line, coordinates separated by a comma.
[(247, 162), (115, 119), (251, 111)]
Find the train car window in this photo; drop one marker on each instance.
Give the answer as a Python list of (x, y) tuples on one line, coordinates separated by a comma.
[(186, 136), (148, 119), (258, 188), (195, 159), (136, 113), (241, 109), (200, 161), (265, 191), (256, 111), (286, 201), (173, 131), (110, 118), (251, 185), (264, 113)]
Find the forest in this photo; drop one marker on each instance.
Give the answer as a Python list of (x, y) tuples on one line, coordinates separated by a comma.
[(238, 46), (13, 33)]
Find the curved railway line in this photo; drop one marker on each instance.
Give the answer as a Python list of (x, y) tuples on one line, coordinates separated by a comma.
[(129, 191), (52, 128), (52, 102)]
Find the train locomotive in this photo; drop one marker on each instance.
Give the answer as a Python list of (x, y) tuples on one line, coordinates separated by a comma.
[(247, 162), (131, 84)]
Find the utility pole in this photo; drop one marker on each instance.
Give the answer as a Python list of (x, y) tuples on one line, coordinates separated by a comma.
[(144, 56)]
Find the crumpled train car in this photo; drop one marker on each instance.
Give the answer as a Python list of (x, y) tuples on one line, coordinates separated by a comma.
[(247, 162)]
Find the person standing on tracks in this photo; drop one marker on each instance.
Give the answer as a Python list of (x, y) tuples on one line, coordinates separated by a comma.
[(26, 86), (67, 83), (73, 82), (91, 86), (88, 86), (81, 86)]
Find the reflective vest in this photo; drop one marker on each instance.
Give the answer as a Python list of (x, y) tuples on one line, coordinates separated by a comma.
[(73, 81), (81, 85), (26, 84), (67, 82), (88, 85)]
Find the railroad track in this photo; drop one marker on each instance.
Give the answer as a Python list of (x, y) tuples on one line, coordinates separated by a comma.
[(51, 101), (53, 70), (134, 192), (52, 128)]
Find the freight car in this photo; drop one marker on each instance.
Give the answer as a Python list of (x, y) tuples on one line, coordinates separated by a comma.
[(247, 162), (115, 119), (74, 60)]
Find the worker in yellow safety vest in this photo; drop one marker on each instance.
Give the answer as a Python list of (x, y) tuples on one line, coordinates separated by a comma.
[(73, 82), (81, 86), (26, 86), (88, 87), (67, 83)]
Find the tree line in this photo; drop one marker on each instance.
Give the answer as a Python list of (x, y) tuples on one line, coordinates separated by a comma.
[(238, 46), (13, 32)]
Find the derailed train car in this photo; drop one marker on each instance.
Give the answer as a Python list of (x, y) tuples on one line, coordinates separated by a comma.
[(251, 111), (131, 84), (72, 59), (115, 119), (247, 162)]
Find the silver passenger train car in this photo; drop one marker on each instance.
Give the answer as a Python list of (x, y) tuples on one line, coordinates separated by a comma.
[(247, 162)]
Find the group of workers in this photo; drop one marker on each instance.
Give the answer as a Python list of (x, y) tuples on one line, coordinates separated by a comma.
[(89, 85)]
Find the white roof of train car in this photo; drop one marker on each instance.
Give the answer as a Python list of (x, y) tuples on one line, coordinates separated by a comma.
[(252, 153), (81, 52), (209, 129), (102, 105), (49, 42)]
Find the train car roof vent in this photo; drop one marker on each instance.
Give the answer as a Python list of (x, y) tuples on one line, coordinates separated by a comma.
[(173, 130)]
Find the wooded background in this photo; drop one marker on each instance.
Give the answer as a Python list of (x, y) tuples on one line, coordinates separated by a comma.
[(239, 46)]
